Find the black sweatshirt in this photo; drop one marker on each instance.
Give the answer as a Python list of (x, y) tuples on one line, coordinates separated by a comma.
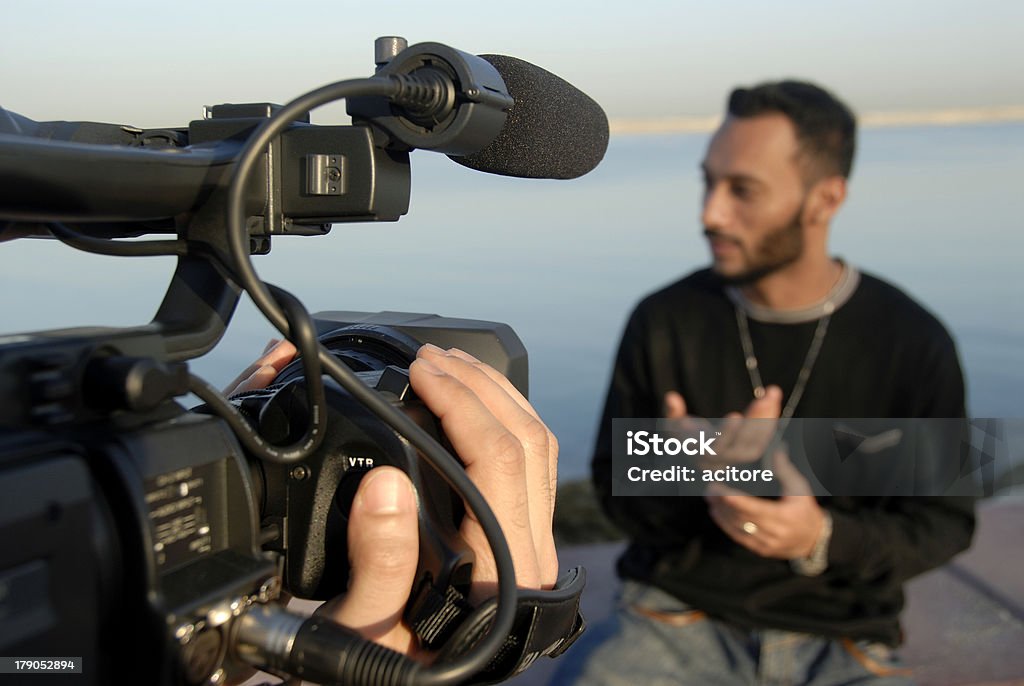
[(883, 356)]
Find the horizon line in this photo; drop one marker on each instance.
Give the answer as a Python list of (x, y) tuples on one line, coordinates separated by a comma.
[(869, 120)]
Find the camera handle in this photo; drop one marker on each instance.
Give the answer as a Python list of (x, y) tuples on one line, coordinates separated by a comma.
[(318, 649)]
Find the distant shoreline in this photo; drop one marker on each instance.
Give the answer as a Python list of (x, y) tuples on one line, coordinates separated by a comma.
[(869, 120)]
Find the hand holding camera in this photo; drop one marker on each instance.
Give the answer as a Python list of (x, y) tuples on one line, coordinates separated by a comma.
[(510, 455)]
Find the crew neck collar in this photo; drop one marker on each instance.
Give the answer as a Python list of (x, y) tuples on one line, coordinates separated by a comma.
[(836, 298)]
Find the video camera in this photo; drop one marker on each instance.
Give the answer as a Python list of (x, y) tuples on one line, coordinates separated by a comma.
[(158, 545)]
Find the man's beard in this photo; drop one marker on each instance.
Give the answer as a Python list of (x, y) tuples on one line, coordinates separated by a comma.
[(777, 249)]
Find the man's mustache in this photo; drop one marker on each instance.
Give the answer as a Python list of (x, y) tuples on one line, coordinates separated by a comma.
[(716, 234)]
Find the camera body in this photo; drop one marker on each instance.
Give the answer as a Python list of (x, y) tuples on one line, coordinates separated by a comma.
[(153, 528)]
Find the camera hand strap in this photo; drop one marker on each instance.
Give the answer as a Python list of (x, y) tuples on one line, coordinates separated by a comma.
[(547, 623)]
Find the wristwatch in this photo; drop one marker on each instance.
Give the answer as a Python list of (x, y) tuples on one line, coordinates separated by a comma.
[(816, 563)]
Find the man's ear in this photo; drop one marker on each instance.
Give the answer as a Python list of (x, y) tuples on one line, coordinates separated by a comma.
[(826, 197)]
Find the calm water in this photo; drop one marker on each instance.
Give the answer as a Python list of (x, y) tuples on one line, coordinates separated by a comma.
[(936, 210)]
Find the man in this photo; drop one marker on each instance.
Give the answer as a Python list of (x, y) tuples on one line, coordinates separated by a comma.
[(731, 588)]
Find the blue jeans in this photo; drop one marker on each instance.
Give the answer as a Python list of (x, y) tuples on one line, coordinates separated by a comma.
[(653, 639)]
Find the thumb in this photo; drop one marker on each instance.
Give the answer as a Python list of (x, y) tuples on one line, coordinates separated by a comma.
[(674, 406), (768, 406), (383, 549), (790, 478)]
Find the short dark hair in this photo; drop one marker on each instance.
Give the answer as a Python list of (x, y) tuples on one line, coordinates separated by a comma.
[(825, 127)]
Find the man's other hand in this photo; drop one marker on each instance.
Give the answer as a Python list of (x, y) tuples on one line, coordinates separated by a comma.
[(744, 436), (786, 529)]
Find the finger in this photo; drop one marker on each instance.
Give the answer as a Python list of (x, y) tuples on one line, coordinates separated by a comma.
[(383, 549), (521, 400), (768, 406), (493, 373), (676, 419), (674, 406), (496, 392), (724, 514), (277, 354), (735, 531), (533, 436), (731, 428), (510, 408), (495, 461), (280, 354), (735, 509), (752, 439), (719, 490), (260, 378), (746, 507), (793, 483), (749, 437)]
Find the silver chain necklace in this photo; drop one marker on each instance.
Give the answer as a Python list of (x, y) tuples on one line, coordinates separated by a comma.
[(805, 371)]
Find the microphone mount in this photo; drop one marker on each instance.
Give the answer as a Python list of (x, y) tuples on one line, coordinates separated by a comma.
[(449, 101)]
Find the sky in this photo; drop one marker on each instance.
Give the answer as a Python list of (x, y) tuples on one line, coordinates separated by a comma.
[(156, 64)]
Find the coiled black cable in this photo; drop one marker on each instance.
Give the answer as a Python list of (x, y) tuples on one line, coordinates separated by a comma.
[(447, 466), (305, 338)]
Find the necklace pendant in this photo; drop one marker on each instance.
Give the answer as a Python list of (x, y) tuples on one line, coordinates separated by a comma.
[(750, 360)]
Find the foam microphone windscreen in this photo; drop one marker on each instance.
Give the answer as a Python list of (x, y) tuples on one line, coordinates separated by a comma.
[(553, 130)]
